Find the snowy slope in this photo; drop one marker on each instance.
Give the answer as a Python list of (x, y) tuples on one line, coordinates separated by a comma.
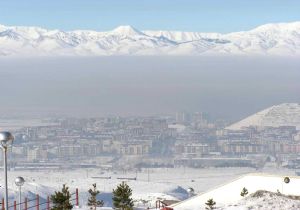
[(271, 39), (229, 193), (265, 200), (287, 114)]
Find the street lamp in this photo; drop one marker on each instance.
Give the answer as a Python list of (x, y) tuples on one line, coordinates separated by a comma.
[(6, 140), (19, 182), (286, 180)]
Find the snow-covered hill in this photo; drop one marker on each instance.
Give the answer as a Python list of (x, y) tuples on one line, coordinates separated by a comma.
[(228, 196), (287, 114), (271, 39), (265, 200)]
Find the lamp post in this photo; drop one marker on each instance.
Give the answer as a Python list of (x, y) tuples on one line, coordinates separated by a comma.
[(19, 182), (286, 180), (6, 140)]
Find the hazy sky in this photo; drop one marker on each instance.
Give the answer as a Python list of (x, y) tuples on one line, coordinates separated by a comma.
[(188, 15), (230, 87)]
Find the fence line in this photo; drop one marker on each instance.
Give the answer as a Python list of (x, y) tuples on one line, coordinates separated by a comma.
[(37, 202)]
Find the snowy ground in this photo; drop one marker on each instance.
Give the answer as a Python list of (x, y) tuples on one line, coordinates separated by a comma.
[(151, 185), (230, 192), (264, 201)]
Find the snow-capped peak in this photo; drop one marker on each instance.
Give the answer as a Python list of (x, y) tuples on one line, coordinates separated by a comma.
[(278, 27), (127, 30)]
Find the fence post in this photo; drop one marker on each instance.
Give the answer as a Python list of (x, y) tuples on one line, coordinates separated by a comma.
[(48, 203), (77, 197), (25, 204), (37, 202), (15, 205), (2, 202)]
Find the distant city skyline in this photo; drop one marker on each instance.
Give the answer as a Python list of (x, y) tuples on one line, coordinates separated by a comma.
[(190, 15)]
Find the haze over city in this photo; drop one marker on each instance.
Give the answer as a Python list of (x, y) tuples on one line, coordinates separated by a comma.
[(220, 86)]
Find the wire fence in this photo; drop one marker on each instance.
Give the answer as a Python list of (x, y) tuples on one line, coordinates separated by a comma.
[(39, 203)]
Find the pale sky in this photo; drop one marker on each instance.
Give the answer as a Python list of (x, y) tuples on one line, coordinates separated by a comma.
[(186, 15)]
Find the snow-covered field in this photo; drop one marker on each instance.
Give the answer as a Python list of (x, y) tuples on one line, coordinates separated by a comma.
[(151, 185), (15, 124)]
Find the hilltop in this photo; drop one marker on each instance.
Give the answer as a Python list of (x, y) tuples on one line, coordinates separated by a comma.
[(287, 114)]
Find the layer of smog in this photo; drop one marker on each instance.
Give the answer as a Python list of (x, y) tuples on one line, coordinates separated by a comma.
[(225, 87)]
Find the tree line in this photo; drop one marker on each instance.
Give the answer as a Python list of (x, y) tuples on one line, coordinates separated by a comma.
[(61, 200)]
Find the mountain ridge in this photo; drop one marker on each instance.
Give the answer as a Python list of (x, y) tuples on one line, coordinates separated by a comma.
[(281, 39)]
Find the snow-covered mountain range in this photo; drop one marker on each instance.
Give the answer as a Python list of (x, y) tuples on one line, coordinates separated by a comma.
[(287, 114), (272, 39)]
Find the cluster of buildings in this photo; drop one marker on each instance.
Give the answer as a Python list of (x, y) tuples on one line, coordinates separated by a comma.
[(183, 140), (245, 147)]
